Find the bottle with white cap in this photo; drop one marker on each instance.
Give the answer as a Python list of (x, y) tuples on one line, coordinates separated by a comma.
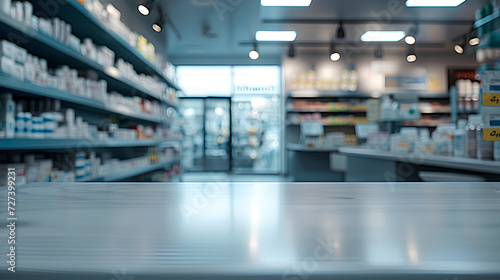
[(459, 144), (496, 150), (471, 135), (484, 148)]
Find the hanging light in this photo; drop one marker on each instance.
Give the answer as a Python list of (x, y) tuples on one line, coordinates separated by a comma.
[(159, 23), (460, 46), (334, 54), (411, 56), (254, 53), (473, 39), (410, 38), (291, 51), (145, 7), (379, 53), (340, 31)]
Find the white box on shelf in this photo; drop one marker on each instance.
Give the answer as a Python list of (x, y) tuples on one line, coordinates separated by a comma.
[(20, 170), (55, 28), (74, 42), (34, 23), (20, 54), (52, 81), (28, 13), (7, 49), (45, 26), (18, 11), (6, 64), (18, 71), (105, 56), (7, 115), (5, 6)]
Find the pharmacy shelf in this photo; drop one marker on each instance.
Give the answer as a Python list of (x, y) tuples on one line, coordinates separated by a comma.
[(301, 148), (327, 125), (117, 176), (429, 112), (306, 94), (426, 123), (24, 88), (25, 144), (486, 20), (74, 13), (431, 160), (323, 111), (46, 47), (329, 94)]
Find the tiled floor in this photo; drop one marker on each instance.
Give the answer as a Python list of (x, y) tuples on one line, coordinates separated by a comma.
[(224, 177)]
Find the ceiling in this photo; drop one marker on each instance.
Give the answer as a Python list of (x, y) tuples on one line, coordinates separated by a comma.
[(227, 28)]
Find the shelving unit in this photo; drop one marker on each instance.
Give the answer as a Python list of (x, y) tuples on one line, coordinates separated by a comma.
[(47, 47), (22, 88), (329, 107), (118, 176), (72, 11), (431, 117), (96, 111), (329, 111), (61, 144)]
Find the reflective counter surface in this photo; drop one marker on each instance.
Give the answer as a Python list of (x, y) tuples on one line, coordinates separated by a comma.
[(299, 231)]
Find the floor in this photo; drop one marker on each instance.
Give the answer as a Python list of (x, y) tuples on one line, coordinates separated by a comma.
[(224, 177)]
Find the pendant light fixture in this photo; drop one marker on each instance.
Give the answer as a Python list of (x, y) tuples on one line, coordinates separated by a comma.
[(254, 53), (460, 46), (411, 56), (145, 7), (340, 31), (410, 38), (334, 54), (291, 51), (379, 52)]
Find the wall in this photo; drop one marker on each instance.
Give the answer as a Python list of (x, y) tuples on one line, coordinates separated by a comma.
[(372, 71)]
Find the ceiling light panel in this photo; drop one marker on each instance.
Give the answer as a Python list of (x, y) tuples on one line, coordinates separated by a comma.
[(382, 36), (283, 36), (286, 3), (433, 3)]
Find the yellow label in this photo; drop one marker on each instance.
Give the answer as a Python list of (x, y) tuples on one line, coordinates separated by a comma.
[(491, 99), (403, 144), (491, 134), (429, 148), (435, 84)]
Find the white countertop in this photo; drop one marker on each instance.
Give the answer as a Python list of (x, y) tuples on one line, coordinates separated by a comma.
[(302, 148), (485, 166), (255, 230)]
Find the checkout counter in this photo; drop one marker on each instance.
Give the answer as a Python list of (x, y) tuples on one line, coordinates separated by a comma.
[(237, 231), (369, 165)]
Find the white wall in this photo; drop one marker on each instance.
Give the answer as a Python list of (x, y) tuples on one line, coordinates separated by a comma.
[(372, 71)]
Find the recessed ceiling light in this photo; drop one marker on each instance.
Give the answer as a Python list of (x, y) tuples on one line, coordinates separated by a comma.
[(286, 36), (433, 3), (382, 36), (286, 3)]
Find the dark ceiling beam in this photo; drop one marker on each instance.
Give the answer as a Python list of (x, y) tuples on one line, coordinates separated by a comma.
[(368, 21), (349, 44)]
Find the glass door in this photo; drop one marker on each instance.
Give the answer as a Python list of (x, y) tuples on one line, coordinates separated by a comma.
[(217, 134), (207, 126), (256, 134), (193, 110)]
